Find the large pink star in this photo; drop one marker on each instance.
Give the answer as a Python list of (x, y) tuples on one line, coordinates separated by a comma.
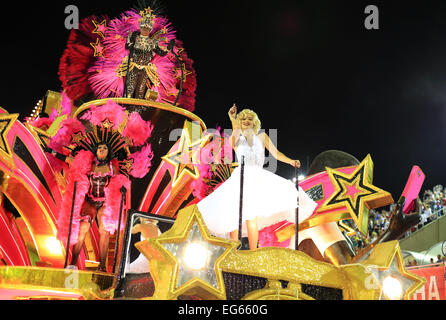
[(352, 190)]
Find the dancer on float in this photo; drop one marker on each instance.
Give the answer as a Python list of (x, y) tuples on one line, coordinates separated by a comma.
[(99, 177), (142, 49), (267, 197)]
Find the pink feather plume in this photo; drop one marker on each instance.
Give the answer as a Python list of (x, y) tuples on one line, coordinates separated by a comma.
[(66, 104), (142, 161), (77, 173), (110, 110), (64, 134), (137, 129)]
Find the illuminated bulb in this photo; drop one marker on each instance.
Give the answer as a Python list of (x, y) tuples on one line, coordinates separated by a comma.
[(392, 288), (301, 177), (195, 256), (53, 245)]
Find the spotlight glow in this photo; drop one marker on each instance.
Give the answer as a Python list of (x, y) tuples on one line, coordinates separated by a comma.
[(195, 256), (392, 288), (54, 246)]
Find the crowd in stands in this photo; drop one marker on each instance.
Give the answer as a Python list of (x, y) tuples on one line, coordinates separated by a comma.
[(432, 205), (378, 223), (440, 259)]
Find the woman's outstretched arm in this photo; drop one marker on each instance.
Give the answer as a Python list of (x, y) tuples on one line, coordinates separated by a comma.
[(269, 145)]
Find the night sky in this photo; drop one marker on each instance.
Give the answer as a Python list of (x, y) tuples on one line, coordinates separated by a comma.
[(310, 69)]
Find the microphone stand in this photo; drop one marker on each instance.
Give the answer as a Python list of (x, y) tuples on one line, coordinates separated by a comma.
[(71, 223), (296, 174), (242, 169), (123, 192)]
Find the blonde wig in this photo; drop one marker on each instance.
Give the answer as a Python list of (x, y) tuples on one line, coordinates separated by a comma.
[(244, 113)]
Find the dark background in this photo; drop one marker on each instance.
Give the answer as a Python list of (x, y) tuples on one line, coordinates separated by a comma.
[(309, 69)]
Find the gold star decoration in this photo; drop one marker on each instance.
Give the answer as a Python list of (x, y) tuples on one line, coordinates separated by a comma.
[(107, 124), (173, 278), (146, 12), (98, 48), (386, 262), (184, 157), (6, 122), (179, 51), (127, 165), (172, 91), (168, 264), (100, 28), (355, 194), (185, 72), (77, 137)]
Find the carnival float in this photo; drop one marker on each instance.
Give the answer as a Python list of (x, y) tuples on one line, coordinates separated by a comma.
[(129, 83)]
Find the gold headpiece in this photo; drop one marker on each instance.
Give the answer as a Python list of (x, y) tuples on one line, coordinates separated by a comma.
[(147, 17)]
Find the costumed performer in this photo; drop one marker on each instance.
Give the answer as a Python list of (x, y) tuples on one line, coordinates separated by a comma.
[(99, 176), (105, 155), (142, 73), (267, 197)]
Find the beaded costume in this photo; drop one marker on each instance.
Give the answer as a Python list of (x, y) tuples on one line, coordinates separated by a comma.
[(141, 69)]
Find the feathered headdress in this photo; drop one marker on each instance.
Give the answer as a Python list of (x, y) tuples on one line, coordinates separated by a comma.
[(147, 18), (111, 125), (149, 8), (94, 64)]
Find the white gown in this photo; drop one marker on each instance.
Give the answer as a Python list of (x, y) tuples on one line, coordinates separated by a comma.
[(266, 196)]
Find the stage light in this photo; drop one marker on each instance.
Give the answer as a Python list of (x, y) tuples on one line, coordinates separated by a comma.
[(195, 256), (392, 288), (53, 246)]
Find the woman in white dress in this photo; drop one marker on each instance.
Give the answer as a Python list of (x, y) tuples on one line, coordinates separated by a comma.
[(267, 197)]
